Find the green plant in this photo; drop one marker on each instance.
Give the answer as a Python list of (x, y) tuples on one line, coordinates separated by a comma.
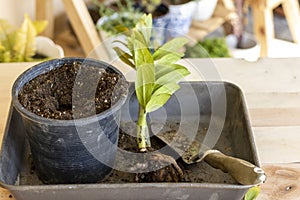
[(252, 193), (117, 19), (18, 45), (149, 6), (214, 48), (157, 72)]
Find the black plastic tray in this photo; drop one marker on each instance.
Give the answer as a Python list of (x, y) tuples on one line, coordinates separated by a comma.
[(236, 139)]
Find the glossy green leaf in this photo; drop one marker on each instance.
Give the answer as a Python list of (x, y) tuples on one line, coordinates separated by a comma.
[(121, 42), (157, 102), (144, 26), (162, 70), (170, 58), (252, 193), (145, 76), (144, 83), (138, 36), (142, 55), (171, 76), (125, 57), (170, 47), (130, 45), (168, 88)]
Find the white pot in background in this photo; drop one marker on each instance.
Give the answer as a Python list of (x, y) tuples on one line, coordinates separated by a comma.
[(204, 9), (250, 50), (46, 47), (180, 19)]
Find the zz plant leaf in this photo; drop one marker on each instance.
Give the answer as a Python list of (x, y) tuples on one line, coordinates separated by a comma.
[(157, 74)]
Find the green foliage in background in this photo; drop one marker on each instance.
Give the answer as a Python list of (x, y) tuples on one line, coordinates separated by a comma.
[(122, 18), (208, 48), (18, 45)]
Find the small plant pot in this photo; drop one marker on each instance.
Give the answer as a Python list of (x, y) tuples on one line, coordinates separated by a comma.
[(109, 38), (70, 151), (180, 19), (161, 19), (204, 9), (46, 47)]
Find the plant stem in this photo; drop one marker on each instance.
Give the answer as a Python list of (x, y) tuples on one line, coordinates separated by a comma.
[(143, 138)]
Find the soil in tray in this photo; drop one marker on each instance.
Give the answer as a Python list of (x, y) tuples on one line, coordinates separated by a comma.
[(196, 173), (50, 94)]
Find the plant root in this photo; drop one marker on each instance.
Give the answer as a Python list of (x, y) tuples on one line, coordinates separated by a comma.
[(159, 167)]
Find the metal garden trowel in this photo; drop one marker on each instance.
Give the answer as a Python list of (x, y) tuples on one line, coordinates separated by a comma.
[(192, 151)]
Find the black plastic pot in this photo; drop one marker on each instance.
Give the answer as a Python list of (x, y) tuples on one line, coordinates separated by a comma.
[(70, 151)]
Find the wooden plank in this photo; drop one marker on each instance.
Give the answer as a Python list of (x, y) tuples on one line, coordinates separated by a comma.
[(5, 195), (292, 14), (275, 116), (208, 25), (44, 11), (83, 25), (6, 81), (263, 26), (278, 144), (69, 43), (273, 100), (279, 75), (283, 182)]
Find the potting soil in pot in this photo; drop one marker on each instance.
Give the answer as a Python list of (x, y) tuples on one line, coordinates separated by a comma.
[(50, 94), (70, 109)]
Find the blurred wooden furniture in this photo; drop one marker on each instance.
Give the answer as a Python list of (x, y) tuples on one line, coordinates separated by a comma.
[(82, 24), (262, 11), (44, 11), (224, 12), (80, 20)]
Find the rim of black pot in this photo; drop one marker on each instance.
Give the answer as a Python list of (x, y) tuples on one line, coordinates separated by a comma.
[(55, 63)]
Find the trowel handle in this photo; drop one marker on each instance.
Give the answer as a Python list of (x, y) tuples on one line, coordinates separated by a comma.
[(242, 171)]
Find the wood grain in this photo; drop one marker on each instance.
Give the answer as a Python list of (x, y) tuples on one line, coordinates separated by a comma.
[(274, 116), (5, 195), (283, 182), (44, 11), (278, 144), (292, 14), (83, 25)]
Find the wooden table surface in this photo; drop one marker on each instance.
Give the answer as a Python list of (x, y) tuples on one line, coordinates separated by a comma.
[(272, 92)]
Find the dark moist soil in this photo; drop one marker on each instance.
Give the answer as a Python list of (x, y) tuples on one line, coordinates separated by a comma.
[(161, 10), (39, 56), (196, 173), (50, 94)]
